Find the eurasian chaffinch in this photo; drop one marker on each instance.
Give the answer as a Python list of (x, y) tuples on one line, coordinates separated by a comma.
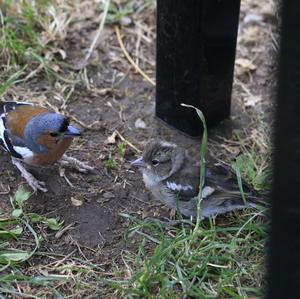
[(172, 177), (36, 136)]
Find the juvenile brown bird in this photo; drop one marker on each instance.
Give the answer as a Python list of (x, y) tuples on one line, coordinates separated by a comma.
[(171, 176), (36, 136)]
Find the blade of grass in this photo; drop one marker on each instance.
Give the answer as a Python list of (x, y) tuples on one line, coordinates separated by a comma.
[(240, 183), (11, 81), (203, 148)]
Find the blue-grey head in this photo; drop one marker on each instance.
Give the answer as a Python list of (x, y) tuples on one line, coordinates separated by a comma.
[(44, 131)]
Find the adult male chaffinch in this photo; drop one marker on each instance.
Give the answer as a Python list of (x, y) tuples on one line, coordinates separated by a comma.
[(36, 136), (172, 177)]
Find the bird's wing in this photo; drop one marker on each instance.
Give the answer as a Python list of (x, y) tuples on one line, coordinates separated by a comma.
[(226, 191), (184, 184), (14, 145), (222, 178), (6, 107), (221, 185)]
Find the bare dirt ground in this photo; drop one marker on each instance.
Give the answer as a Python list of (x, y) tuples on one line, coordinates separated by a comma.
[(109, 96)]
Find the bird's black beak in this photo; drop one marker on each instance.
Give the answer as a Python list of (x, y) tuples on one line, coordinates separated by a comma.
[(138, 162), (72, 131)]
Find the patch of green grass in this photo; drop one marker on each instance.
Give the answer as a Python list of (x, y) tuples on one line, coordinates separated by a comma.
[(211, 262), (110, 163), (10, 78), (27, 269), (121, 149), (25, 45), (117, 12), (254, 162), (19, 243), (20, 30), (116, 157), (13, 227), (250, 168)]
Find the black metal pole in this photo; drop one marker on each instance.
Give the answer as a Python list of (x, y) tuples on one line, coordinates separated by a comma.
[(284, 262), (196, 41)]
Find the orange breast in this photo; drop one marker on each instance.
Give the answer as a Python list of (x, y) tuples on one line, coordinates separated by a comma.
[(52, 155), (17, 119)]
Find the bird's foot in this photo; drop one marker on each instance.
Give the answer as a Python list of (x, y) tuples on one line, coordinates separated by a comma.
[(30, 179), (75, 163)]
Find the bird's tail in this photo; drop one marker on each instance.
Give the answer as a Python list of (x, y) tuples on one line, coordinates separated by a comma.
[(227, 195)]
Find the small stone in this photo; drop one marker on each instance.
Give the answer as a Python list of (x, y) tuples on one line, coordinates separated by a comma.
[(76, 202), (126, 21), (140, 124), (112, 138), (108, 195), (251, 101), (253, 19)]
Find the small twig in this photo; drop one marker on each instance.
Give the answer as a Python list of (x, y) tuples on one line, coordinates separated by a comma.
[(6, 191), (99, 233), (88, 127), (62, 231), (62, 174), (137, 68), (54, 108), (243, 86), (1, 18), (67, 97), (33, 73), (218, 266), (137, 45), (127, 142), (100, 28), (79, 250), (58, 263), (140, 200)]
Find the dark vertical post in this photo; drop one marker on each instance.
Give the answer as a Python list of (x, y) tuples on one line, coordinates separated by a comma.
[(284, 264), (196, 41)]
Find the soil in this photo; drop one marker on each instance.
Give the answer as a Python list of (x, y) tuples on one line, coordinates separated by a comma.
[(114, 98)]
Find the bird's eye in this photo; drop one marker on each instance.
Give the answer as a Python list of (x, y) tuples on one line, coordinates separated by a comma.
[(155, 162), (53, 134)]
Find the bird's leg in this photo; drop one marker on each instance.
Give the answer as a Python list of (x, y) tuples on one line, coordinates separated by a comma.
[(75, 163), (30, 179)]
